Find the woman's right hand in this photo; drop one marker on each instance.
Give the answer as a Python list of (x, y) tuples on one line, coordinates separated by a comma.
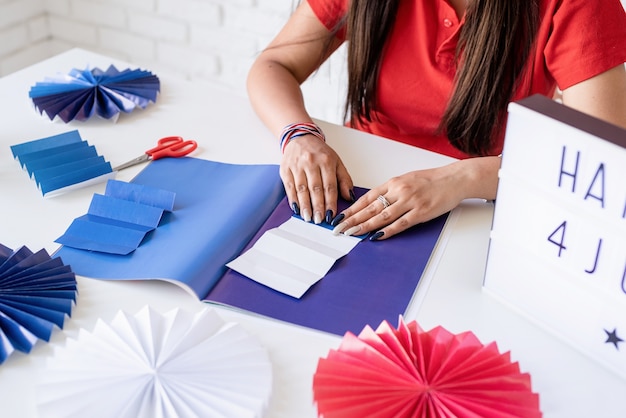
[(313, 176)]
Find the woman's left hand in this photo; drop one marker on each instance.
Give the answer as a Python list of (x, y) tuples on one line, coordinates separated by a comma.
[(417, 197)]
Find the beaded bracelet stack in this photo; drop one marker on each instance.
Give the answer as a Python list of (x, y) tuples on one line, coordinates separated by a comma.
[(299, 129)]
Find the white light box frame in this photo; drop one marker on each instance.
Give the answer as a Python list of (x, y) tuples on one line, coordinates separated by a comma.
[(557, 250)]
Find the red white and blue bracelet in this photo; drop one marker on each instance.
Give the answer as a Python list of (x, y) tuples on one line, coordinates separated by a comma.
[(296, 130)]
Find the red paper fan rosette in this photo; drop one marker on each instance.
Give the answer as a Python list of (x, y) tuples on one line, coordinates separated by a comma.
[(407, 372)]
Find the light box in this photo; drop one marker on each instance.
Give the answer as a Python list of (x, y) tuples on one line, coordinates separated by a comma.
[(557, 250)]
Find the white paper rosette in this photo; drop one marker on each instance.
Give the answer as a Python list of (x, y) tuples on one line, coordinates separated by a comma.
[(150, 365)]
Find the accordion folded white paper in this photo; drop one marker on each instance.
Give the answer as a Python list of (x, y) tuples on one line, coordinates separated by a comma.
[(176, 364), (294, 256)]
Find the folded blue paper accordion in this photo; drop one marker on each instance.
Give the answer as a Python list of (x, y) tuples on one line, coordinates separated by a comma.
[(61, 161), (118, 221)]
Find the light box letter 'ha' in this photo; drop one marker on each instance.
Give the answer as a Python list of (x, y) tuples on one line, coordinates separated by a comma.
[(558, 242)]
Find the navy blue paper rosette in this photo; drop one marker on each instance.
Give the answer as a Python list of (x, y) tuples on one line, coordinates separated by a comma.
[(81, 94), (37, 292)]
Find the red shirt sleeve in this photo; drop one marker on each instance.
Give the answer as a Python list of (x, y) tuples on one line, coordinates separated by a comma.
[(586, 38), (330, 13)]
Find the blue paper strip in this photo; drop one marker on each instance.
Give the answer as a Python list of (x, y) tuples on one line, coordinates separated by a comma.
[(47, 309), (27, 158), (45, 143), (38, 326), (5, 253), (33, 271), (145, 217), (14, 332), (43, 88), (106, 236), (24, 260), (79, 105), (53, 284), (138, 193), (67, 170), (89, 173), (57, 161), (14, 259)]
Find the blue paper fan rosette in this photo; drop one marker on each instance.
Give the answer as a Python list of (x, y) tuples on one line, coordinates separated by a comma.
[(36, 293), (80, 94)]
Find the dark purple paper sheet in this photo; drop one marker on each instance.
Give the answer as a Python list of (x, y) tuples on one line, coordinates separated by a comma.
[(374, 282)]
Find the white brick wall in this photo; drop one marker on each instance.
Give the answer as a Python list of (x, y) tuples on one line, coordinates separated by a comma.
[(205, 40), (22, 24), (211, 41)]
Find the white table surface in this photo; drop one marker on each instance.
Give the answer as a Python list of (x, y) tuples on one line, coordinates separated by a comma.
[(227, 130)]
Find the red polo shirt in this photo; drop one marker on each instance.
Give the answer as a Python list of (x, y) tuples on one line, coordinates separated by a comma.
[(577, 39)]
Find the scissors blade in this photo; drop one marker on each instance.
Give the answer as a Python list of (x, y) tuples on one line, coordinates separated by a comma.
[(132, 162)]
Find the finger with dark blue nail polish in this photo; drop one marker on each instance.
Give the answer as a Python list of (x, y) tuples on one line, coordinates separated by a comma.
[(376, 236), (329, 216), (337, 219), (295, 208)]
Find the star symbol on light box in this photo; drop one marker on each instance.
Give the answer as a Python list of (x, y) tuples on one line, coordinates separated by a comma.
[(611, 337)]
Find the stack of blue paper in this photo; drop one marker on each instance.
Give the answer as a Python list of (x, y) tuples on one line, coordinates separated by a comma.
[(60, 161)]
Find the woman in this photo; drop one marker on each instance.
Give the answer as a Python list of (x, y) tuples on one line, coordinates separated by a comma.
[(437, 74)]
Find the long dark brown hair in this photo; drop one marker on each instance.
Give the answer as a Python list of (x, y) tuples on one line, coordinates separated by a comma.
[(494, 46)]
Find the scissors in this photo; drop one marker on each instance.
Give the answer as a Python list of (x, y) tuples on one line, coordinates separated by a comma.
[(170, 146)]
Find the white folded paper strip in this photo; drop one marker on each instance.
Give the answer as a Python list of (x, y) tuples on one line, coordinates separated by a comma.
[(293, 257), (150, 365)]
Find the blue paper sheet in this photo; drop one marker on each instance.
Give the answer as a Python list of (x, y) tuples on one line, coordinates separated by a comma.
[(218, 209), (221, 210)]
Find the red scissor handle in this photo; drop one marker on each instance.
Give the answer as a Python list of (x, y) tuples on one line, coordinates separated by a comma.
[(172, 146)]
